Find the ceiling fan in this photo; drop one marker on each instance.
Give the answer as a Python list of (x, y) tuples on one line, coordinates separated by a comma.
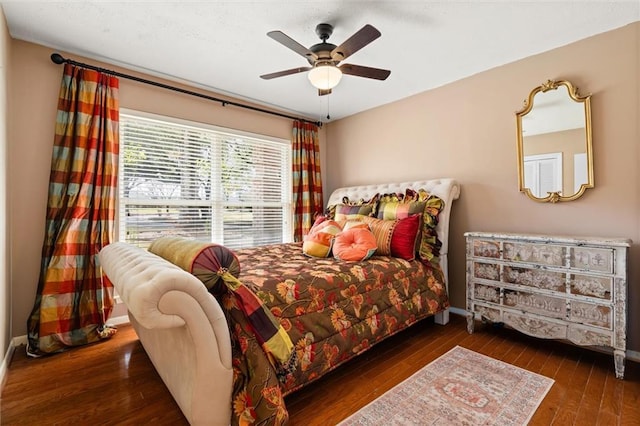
[(324, 57)]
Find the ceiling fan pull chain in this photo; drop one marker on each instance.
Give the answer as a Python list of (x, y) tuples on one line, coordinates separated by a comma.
[(328, 116)]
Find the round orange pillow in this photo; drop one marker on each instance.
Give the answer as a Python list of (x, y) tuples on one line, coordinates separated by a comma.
[(354, 244)]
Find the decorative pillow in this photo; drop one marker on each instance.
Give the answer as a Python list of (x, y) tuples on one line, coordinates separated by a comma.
[(352, 209), (433, 207), (399, 206), (390, 210), (215, 265), (318, 219), (354, 244), (202, 259), (382, 230), (354, 223), (404, 239), (318, 242), (429, 242), (347, 212)]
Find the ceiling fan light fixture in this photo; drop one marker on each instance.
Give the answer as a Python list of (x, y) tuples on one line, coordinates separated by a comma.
[(325, 76)]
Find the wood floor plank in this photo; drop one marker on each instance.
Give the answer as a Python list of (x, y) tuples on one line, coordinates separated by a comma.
[(631, 399), (537, 359), (560, 368), (497, 350), (612, 396), (588, 410), (114, 383), (517, 355), (574, 391), (480, 338), (607, 419)]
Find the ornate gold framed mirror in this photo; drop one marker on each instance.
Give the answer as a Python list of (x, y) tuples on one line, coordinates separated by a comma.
[(555, 155)]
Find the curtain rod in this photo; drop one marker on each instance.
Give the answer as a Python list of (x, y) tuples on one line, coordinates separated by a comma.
[(58, 59)]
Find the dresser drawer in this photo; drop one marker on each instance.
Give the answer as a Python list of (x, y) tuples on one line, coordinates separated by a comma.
[(487, 293), (589, 336), (590, 313), (553, 307), (592, 259), (538, 254), (537, 278), (486, 271), (592, 286), (487, 249)]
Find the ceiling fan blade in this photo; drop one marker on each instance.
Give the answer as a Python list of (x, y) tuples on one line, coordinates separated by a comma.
[(367, 72), (285, 72), (356, 42), (322, 92), (287, 41)]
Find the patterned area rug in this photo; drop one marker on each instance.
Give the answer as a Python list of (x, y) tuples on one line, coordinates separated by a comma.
[(461, 387)]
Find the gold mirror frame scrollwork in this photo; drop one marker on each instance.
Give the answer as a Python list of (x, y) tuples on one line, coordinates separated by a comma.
[(554, 197)]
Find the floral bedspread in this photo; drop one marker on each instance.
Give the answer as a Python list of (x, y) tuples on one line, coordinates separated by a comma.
[(332, 310)]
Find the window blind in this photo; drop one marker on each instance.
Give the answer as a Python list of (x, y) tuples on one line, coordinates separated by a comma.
[(192, 180)]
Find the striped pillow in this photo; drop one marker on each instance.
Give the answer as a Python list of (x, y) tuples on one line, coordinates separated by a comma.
[(319, 240), (347, 212), (390, 210), (382, 230), (348, 209)]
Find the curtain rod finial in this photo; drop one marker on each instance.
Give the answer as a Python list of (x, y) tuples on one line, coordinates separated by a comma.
[(57, 58)]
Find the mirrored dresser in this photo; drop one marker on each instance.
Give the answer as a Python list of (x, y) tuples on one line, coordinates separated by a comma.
[(552, 287)]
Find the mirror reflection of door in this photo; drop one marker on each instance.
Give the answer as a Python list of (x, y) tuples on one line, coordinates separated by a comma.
[(543, 173), (556, 124), (580, 170)]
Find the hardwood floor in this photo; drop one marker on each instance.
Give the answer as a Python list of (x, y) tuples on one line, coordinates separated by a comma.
[(113, 382)]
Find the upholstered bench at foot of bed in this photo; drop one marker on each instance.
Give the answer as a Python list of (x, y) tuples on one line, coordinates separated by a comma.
[(181, 326)]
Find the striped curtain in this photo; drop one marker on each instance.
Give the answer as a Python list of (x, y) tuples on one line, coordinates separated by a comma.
[(307, 182), (73, 301)]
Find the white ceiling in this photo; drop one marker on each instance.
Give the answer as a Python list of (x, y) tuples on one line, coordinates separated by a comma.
[(223, 46)]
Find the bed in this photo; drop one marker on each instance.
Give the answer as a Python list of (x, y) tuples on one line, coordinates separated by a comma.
[(206, 349)]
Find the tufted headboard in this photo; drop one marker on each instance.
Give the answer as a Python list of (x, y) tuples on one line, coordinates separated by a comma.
[(447, 189)]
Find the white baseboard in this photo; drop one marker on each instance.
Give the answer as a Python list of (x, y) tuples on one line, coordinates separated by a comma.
[(5, 366), (20, 340), (458, 311), (123, 319)]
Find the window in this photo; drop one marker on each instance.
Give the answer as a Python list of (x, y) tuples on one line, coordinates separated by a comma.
[(201, 182)]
